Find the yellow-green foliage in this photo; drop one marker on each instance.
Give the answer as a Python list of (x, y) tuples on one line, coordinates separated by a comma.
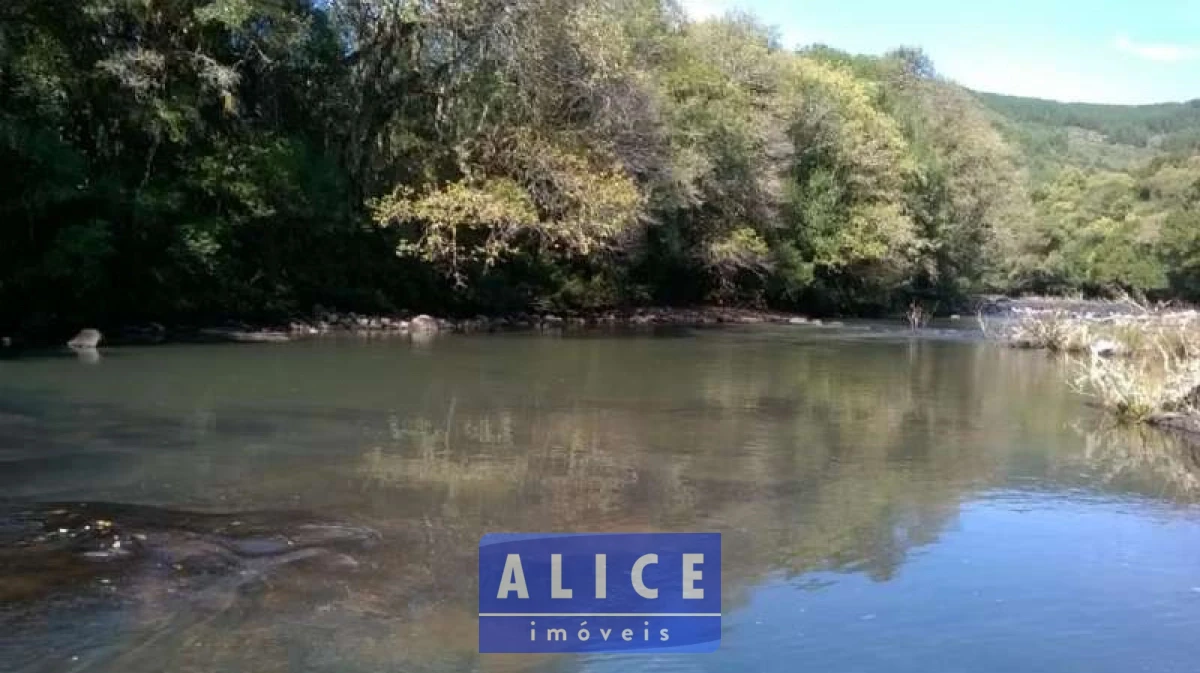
[(227, 159), (495, 211), (552, 202)]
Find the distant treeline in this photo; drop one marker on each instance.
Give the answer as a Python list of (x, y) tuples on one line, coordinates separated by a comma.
[(1138, 125), (185, 160)]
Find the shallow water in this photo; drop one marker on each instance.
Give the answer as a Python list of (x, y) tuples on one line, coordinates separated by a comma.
[(888, 503)]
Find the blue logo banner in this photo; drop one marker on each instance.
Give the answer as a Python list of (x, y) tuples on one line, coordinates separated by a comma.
[(612, 592)]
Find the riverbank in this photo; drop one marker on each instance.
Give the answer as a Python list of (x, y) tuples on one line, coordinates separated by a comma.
[(405, 324)]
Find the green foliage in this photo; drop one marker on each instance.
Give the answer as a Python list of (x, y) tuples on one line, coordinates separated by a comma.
[(197, 159)]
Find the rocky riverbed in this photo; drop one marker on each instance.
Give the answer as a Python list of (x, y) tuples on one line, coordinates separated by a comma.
[(50, 548)]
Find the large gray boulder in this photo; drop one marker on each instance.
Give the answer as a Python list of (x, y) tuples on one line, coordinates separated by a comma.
[(87, 338)]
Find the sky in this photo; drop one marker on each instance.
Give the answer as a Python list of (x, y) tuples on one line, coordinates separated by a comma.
[(1101, 51)]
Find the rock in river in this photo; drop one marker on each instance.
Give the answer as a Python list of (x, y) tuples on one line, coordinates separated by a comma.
[(87, 338)]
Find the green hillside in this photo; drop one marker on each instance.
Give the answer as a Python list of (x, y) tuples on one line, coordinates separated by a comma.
[(1115, 194), (1135, 125), (1088, 135)]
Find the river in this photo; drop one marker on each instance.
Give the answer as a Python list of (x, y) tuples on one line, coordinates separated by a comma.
[(888, 502)]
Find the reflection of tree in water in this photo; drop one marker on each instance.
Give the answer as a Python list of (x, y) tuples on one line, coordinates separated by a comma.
[(1144, 460), (820, 456), (804, 460)]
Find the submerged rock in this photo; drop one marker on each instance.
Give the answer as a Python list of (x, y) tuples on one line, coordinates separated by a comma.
[(87, 338), (52, 548)]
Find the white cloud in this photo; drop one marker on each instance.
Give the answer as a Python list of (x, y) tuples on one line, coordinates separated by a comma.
[(1163, 53)]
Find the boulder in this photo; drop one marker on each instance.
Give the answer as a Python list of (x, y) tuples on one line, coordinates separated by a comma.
[(423, 324), (87, 338)]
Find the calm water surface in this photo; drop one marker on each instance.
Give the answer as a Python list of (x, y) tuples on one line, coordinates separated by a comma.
[(888, 503)]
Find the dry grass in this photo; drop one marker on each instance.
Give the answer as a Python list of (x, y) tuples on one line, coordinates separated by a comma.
[(1175, 334), (1140, 389), (1142, 367)]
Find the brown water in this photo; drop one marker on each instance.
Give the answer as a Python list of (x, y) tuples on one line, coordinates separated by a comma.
[(888, 503)]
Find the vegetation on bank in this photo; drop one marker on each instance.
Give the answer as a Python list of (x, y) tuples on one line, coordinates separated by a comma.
[(196, 159), (1143, 367)]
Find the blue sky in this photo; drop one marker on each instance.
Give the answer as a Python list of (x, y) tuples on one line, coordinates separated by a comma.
[(1102, 51)]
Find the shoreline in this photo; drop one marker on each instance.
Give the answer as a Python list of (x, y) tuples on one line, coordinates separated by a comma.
[(404, 324), (325, 322)]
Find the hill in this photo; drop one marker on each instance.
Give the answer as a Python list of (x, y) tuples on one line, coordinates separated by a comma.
[(1054, 135)]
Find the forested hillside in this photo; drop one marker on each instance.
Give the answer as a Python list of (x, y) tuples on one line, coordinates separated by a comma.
[(197, 159), (1053, 135), (1115, 191)]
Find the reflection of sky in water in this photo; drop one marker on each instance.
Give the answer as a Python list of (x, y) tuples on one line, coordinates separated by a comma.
[(887, 503), (1049, 589)]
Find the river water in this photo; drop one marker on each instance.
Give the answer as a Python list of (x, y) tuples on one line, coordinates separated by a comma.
[(888, 502)]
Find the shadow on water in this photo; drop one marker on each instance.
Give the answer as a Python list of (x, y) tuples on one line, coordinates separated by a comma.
[(816, 458)]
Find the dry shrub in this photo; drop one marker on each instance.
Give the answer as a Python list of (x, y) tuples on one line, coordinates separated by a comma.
[(1141, 367)]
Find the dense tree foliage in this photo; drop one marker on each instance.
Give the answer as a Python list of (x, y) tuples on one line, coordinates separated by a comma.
[(192, 159), (1114, 202)]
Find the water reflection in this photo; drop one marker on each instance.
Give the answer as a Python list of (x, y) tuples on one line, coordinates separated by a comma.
[(1121, 454), (817, 457), (88, 356)]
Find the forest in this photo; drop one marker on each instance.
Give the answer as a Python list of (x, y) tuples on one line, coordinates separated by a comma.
[(193, 160)]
